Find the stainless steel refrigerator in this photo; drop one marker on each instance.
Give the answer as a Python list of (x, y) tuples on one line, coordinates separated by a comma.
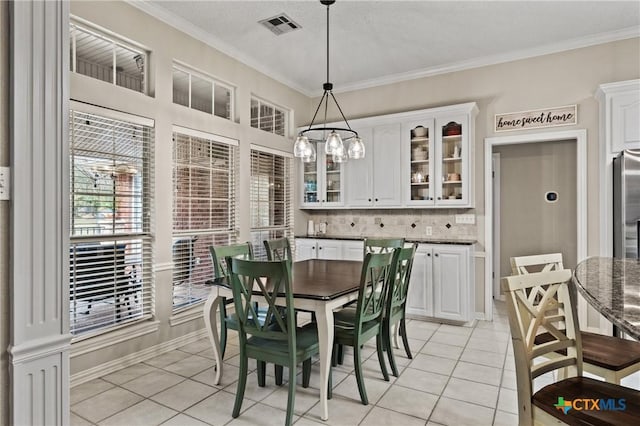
[(626, 204)]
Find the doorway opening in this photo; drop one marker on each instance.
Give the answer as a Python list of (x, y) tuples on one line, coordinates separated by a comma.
[(575, 137)]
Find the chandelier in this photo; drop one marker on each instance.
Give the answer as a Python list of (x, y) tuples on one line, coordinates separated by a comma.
[(334, 137)]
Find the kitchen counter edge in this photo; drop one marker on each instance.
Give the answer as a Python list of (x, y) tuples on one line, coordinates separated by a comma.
[(408, 240)]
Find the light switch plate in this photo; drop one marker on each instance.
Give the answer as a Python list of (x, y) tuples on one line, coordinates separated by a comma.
[(5, 174), (468, 219)]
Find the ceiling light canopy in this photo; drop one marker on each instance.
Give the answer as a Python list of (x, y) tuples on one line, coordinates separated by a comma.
[(334, 137)]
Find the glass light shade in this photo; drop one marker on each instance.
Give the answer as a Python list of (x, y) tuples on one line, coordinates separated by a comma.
[(340, 155), (333, 144), (300, 146), (356, 148), (309, 154)]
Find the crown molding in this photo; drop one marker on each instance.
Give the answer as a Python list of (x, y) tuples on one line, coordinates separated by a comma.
[(201, 35)]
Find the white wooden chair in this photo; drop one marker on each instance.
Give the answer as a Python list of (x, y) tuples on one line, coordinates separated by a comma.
[(605, 356), (546, 301)]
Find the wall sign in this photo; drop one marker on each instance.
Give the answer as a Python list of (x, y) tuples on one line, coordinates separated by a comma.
[(547, 117)]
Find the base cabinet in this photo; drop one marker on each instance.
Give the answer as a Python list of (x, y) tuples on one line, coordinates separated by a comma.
[(442, 284), (316, 248)]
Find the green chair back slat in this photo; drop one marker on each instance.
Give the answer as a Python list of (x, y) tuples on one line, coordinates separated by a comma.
[(278, 249), (402, 266), (382, 245)]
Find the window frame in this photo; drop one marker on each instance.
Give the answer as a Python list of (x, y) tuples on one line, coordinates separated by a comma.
[(199, 287), (260, 233), (286, 113), (190, 71), (116, 41)]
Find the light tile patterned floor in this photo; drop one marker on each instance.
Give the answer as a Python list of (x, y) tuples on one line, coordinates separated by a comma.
[(458, 376)]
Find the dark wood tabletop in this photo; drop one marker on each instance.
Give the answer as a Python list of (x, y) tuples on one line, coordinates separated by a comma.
[(325, 279), (321, 279)]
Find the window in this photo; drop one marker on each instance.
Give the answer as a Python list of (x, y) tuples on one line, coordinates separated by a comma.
[(204, 211), (270, 197), (198, 91), (107, 59), (268, 117), (111, 205)]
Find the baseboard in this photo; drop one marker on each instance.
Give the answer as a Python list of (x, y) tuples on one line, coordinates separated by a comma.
[(136, 357)]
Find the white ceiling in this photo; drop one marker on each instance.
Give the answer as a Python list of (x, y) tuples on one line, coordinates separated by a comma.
[(377, 42)]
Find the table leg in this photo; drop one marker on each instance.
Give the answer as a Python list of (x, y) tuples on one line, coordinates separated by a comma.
[(211, 307), (324, 318)]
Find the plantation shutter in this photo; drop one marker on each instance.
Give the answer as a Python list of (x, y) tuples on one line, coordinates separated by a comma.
[(271, 196), (205, 170), (110, 254)]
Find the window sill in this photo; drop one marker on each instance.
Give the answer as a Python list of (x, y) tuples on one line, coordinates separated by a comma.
[(84, 345)]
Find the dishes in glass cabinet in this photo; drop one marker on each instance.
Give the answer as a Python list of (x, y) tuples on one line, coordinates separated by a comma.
[(452, 129), (419, 132)]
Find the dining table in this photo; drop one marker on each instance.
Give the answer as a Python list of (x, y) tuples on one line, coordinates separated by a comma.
[(320, 286), (612, 286)]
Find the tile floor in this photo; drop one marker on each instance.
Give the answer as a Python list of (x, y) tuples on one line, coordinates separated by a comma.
[(458, 376)]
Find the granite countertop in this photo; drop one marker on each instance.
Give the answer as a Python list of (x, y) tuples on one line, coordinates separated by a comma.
[(612, 286), (461, 241)]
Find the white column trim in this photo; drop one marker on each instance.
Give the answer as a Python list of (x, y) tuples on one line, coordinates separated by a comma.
[(39, 221)]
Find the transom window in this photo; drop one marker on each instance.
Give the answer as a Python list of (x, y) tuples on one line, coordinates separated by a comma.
[(271, 197), (204, 209), (111, 206), (107, 58), (202, 92), (269, 117)]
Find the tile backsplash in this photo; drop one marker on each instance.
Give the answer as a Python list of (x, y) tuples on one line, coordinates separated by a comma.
[(395, 223)]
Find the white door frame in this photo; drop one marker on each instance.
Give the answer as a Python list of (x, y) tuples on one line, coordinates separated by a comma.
[(495, 181), (580, 136)]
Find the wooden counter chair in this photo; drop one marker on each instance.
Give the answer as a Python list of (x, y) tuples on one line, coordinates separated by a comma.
[(395, 305), (545, 301), (606, 356), (354, 327), (382, 245), (277, 339)]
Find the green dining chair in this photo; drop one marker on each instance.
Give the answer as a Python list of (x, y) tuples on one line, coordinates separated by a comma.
[(218, 256), (277, 339), (355, 326), (382, 245), (278, 249), (395, 306)]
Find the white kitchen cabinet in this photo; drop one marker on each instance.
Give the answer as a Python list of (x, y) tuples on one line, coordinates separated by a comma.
[(319, 248), (442, 284), (375, 180), (322, 182), (438, 157), (619, 112)]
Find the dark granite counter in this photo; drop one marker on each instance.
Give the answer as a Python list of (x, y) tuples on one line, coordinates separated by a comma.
[(460, 241), (612, 286)]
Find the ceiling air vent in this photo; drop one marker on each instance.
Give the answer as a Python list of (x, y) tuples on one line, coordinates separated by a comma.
[(280, 24)]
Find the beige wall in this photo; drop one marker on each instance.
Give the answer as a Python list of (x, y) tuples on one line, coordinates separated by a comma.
[(528, 224), (4, 215), (167, 44)]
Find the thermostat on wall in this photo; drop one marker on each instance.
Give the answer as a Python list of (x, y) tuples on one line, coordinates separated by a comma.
[(551, 196)]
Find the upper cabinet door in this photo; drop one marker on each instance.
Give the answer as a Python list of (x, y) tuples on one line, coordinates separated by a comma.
[(310, 184), (452, 168), (322, 182), (387, 162), (358, 175), (419, 161)]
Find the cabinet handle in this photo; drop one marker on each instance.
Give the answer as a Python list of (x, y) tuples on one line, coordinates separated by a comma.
[(439, 198), (319, 248), (369, 199), (436, 255), (376, 200), (428, 254)]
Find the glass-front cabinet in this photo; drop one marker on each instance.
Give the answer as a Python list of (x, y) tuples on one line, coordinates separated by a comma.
[(452, 135), (437, 158), (421, 154), (322, 182)]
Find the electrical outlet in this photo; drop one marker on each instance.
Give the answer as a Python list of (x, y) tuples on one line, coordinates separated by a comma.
[(468, 219), (4, 183), (428, 231), (377, 220)]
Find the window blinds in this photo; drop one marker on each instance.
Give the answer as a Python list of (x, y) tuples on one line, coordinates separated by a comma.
[(110, 254), (204, 210), (271, 195)]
